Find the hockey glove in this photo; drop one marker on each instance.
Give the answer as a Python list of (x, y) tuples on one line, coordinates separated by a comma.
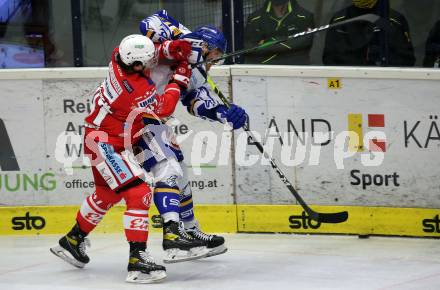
[(182, 75), (177, 49), (235, 115)]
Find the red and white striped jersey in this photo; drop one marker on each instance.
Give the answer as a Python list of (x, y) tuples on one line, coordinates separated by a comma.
[(123, 95)]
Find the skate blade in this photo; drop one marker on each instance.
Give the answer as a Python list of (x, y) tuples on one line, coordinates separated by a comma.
[(177, 256), (217, 251), (65, 255), (142, 278)]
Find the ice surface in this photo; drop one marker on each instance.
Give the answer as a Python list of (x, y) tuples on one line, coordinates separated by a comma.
[(254, 261)]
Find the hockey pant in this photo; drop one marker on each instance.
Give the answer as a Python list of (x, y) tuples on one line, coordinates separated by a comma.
[(162, 157), (117, 177)]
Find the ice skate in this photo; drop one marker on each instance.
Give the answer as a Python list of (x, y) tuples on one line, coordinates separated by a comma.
[(214, 243), (72, 249), (142, 269), (179, 246)]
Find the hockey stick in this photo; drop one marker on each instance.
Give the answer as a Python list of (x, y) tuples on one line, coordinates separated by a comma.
[(372, 18), (338, 217)]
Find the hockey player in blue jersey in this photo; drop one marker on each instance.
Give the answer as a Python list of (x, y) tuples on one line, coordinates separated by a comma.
[(164, 159)]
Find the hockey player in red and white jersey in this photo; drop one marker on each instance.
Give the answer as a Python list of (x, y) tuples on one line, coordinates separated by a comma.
[(172, 190), (116, 117)]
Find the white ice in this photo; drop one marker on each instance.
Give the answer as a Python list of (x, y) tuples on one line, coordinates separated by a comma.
[(254, 261)]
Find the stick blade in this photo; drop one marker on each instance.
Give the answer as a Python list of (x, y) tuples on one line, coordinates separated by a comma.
[(332, 218)]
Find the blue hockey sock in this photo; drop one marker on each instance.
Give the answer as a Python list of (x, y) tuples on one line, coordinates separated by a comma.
[(166, 199), (186, 208)]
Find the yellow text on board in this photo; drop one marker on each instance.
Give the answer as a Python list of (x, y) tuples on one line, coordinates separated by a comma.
[(334, 84)]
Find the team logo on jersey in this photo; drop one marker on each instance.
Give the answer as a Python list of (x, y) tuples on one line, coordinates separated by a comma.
[(171, 181), (144, 104), (147, 199), (150, 98)]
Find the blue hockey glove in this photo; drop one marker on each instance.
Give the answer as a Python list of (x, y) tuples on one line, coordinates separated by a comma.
[(235, 115)]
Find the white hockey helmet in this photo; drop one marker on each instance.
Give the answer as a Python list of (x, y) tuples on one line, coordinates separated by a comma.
[(140, 48)]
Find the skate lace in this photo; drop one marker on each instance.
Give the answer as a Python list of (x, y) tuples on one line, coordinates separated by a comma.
[(146, 257), (183, 233), (82, 246), (201, 235)]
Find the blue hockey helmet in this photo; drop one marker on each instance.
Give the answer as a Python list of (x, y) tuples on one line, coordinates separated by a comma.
[(212, 36)]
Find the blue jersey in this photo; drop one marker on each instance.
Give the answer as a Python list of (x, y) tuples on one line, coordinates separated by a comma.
[(160, 27), (197, 99)]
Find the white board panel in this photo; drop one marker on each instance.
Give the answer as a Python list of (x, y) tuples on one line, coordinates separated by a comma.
[(409, 173)]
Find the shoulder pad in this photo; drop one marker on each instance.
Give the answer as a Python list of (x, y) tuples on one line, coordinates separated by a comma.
[(155, 29), (197, 53), (176, 28)]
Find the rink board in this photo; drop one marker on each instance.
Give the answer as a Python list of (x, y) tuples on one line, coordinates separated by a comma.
[(27, 220), (241, 218), (41, 161), (362, 220), (301, 101), (302, 115)]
